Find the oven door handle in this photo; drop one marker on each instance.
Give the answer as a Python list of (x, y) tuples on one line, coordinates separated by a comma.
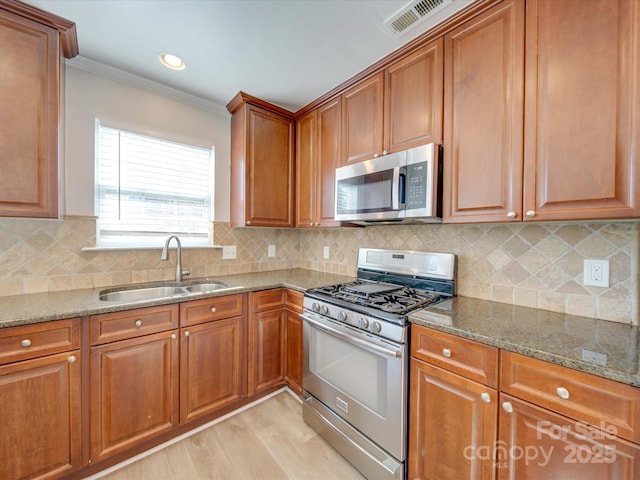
[(371, 347)]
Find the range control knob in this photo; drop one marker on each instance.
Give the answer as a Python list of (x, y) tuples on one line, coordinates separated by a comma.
[(324, 309), (376, 327), (315, 307), (342, 316), (364, 323)]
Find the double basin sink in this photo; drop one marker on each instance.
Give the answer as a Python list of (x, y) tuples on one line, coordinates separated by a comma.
[(128, 294)]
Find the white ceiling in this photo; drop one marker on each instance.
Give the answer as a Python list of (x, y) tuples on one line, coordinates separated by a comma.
[(288, 52)]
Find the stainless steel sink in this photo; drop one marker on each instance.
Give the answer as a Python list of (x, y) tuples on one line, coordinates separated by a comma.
[(205, 287), (163, 291)]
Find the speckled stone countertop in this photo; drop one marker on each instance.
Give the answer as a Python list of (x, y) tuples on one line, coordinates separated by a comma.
[(603, 348), (44, 307)]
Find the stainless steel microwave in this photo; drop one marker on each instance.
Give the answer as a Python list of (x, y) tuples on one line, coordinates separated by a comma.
[(402, 187)]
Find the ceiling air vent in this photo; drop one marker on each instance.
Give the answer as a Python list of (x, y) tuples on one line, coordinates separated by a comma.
[(413, 14)]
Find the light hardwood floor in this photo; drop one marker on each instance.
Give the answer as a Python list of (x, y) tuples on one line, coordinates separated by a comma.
[(268, 441)]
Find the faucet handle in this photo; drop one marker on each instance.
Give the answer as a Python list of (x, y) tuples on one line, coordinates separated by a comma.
[(186, 272)]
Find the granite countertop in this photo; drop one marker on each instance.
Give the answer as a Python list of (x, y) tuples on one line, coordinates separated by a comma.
[(604, 348), (44, 307)]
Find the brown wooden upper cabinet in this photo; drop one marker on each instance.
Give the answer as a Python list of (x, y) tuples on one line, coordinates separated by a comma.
[(317, 157), (32, 44), (396, 109), (556, 143), (262, 163)]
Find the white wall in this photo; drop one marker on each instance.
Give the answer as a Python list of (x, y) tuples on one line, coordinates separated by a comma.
[(90, 96)]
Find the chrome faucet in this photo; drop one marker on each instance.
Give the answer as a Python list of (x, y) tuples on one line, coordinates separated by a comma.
[(165, 255)]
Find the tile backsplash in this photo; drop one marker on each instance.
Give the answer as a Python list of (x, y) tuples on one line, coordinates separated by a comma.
[(534, 265)]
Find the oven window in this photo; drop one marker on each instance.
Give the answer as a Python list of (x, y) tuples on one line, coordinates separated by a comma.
[(360, 374)]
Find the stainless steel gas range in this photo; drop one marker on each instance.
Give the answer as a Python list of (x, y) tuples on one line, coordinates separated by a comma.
[(356, 354)]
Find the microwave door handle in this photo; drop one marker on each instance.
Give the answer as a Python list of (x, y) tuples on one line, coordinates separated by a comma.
[(395, 189), (398, 188)]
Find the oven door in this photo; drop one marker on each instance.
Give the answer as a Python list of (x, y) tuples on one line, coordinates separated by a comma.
[(359, 377)]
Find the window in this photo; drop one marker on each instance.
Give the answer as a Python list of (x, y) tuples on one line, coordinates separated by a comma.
[(149, 188)]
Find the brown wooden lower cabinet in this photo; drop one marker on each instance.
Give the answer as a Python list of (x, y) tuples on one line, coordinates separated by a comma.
[(554, 422), (210, 360), (293, 341), (133, 392), (266, 360), (40, 427), (539, 444)]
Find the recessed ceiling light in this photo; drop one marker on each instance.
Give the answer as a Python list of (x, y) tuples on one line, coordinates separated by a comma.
[(172, 61)]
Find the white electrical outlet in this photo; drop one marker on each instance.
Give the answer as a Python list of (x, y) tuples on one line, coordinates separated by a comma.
[(596, 273), (229, 252), (325, 252), (271, 250)]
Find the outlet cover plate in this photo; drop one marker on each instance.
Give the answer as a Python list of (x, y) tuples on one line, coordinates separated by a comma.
[(271, 250), (596, 273), (229, 252), (325, 252)]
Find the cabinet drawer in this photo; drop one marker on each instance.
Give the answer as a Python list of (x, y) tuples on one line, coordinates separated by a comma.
[(31, 341), (109, 327), (470, 359), (200, 311), (587, 398), (267, 299)]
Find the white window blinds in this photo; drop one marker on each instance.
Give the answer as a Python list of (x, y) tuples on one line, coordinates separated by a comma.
[(149, 188)]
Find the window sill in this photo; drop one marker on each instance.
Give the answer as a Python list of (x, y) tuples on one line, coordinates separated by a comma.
[(142, 247)]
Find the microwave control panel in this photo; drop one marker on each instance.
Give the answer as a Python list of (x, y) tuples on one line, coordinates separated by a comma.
[(416, 186)]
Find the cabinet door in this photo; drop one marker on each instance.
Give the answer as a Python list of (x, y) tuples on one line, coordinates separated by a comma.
[(362, 110), (306, 180), (270, 162), (483, 117), (329, 152), (133, 393), (582, 105), (450, 425), (293, 350), (210, 367), (266, 359), (413, 99), (40, 408), (29, 94), (536, 443)]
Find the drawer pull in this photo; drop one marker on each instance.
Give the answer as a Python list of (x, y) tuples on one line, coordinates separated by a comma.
[(25, 343), (507, 407), (214, 309), (187, 333), (173, 336), (562, 392), (138, 323), (71, 359), (446, 352), (486, 398)]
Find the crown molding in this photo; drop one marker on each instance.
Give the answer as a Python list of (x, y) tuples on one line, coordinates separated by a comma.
[(112, 73)]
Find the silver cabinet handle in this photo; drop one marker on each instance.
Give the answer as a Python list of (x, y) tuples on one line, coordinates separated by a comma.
[(214, 309), (507, 407), (511, 214), (138, 323), (187, 333), (25, 343), (531, 213), (446, 352), (384, 152), (173, 336), (486, 398), (562, 392), (71, 359), (376, 155)]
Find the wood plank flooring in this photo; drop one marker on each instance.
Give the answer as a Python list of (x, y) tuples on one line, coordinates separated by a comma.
[(268, 441)]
